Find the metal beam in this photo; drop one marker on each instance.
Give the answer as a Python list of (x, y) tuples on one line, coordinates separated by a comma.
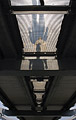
[(49, 90), (46, 67), (70, 102), (24, 81), (40, 9), (23, 113), (36, 54), (4, 98), (37, 77), (30, 90), (10, 32)]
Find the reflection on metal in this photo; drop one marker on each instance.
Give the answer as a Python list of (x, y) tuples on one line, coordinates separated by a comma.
[(47, 26), (39, 90), (44, 27), (39, 12), (40, 21), (3, 118), (40, 45), (72, 118)]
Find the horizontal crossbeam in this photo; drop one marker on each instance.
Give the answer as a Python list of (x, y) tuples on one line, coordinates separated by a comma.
[(30, 54), (38, 67), (40, 9), (23, 113)]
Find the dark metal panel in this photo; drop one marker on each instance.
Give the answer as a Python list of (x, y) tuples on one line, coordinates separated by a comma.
[(66, 45), (73, 6), (30, 90), (7, 50), (4, 98), (37, 114), (9, 32)]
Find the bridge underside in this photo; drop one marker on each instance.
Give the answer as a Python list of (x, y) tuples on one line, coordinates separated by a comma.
[(37, 84)]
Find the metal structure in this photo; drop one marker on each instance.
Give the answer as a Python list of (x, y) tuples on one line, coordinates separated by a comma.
[(36, 84), (40, 9)]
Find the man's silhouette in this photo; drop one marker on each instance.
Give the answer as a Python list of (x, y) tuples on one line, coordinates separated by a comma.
[(42, 2)]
